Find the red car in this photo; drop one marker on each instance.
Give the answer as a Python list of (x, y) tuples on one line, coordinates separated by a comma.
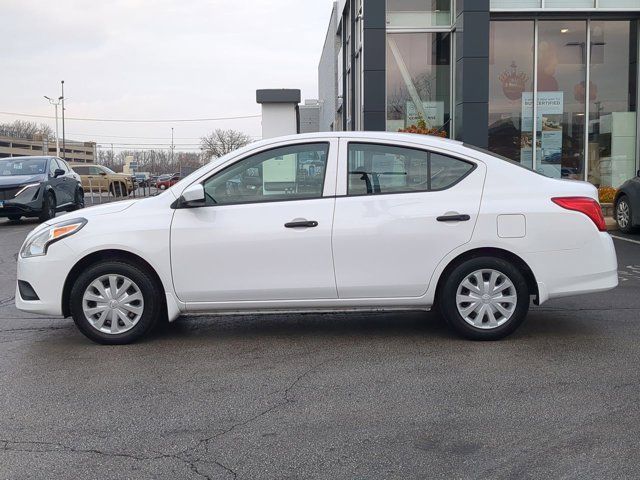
[(164, 184)]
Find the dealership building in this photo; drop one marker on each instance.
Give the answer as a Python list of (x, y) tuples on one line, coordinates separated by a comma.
[(551, 84)]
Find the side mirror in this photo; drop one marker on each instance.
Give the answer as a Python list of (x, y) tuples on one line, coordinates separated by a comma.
[(192, 196), (58, 173), (104, 174), (638, 173)]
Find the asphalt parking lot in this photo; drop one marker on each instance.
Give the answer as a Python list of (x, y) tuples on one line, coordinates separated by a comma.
[(325, 396)]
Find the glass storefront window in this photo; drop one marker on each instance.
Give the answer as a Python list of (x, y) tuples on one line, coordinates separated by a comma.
[(418, 80), (511, 90), (612, 117), (418, 13), (568, 3), (561, 98), (515, 4)]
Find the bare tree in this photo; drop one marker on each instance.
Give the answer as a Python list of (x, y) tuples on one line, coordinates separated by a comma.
[(220, 142), (26, 130)]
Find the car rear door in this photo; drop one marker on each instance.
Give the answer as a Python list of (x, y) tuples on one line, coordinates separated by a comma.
[(69, 182), (264, 234), (400, 210)]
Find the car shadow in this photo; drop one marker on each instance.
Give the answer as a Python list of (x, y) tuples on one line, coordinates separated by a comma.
[(6, 223)]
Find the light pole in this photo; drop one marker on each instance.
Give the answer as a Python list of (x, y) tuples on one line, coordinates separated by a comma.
[(64, 143), (55, 104)]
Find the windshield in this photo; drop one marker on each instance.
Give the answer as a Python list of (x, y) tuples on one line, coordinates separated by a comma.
[(17, 166)]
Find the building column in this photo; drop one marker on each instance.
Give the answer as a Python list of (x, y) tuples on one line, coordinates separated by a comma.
[(472, 72), (374, 65)]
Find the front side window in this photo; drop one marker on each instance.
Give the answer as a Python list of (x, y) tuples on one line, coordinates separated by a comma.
[(377, 169), (288, 173), (95, 171), (81, 170), (53, 166)]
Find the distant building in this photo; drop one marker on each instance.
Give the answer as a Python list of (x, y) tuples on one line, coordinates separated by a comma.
[(329, 87), (309, 113), (75, 152)]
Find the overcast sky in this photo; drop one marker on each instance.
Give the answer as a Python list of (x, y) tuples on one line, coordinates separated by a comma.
[(156, 59)]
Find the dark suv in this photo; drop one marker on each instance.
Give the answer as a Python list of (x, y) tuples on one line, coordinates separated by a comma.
[(38, 187), (627, 205)]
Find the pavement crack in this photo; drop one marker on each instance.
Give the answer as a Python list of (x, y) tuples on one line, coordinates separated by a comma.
[(42, 446), (205, 442)]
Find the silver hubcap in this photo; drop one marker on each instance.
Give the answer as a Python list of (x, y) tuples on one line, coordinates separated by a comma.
[(623, 214), (113, 304), (486, 299)]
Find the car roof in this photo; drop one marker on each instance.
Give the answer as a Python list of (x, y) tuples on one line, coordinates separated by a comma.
[(29, 157), (389, 136)]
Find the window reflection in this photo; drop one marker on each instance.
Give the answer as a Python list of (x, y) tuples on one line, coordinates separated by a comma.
[(418, 76), (511, 90), (612, 117)]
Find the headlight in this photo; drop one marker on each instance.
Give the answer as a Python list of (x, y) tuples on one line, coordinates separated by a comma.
[(38, 244), (25, 187)]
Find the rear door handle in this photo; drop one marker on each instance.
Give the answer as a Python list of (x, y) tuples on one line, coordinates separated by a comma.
[(453, 218), (301, 224)]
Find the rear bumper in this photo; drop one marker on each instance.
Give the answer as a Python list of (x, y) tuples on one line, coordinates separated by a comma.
[(590, 269)]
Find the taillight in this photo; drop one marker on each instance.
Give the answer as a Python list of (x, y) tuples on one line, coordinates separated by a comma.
[(585, 205)]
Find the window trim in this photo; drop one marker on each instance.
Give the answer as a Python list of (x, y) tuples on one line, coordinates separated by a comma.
[(259, 152), (474, 166)]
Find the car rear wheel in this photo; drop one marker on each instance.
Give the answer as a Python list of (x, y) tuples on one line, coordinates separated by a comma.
[(48, 207), (624, 215), (78, 201), (14, 218), (484, 298), (115, 303)]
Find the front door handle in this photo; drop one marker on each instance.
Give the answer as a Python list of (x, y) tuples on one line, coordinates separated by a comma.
[(453, 218), (301, 224)]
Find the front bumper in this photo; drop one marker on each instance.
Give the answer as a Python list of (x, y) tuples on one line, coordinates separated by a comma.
[(27, 204), (46, 275)]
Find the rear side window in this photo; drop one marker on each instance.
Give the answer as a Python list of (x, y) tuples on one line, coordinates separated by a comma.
[(377, 169)]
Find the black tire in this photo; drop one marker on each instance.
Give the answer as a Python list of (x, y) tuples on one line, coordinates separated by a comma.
[(624, 209), (48, 207), (14, 218), (448, 304), (152, 297), (78, 201)]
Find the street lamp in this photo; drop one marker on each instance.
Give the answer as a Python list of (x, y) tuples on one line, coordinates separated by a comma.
[(55, 104)]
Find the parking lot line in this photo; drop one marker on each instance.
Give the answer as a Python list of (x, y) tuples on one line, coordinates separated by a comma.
[(625, 239)]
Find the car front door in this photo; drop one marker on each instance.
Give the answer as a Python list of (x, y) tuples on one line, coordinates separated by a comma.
[(69, 182), (58, 183), (264, 233), (400, 210)]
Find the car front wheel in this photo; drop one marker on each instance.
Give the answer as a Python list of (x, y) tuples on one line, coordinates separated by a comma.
[(624, 217), (484, 298), (115, 303), (48, 207)]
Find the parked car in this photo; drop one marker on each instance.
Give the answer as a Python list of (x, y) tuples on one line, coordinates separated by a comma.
[(158, 178), (627, 205), (334, 221), (98, 178), (142, 179), (38, 187), (168, 182)]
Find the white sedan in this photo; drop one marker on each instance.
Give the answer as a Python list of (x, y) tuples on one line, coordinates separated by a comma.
[(326, 222)]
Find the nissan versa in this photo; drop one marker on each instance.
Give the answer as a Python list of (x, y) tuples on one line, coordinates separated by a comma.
[(325, 222), (38, 187)]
